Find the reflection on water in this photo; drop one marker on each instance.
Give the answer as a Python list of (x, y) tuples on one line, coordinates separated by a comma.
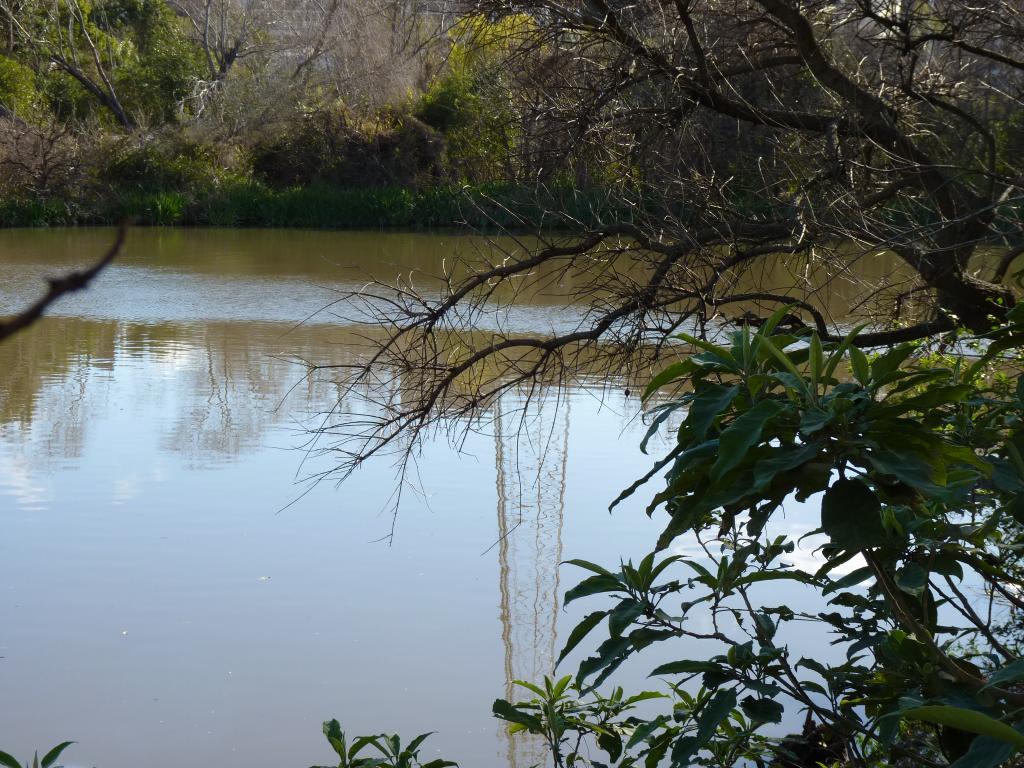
[(156, 603), (531, 458)]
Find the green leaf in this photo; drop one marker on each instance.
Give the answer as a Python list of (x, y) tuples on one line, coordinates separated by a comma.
[(766, 627), (593, 585), (414, 744), (532, 687), (611, 743), (786, 363), (645, 729), (684, 748), (912, 579), (850, 515), (836, 357), (859, 366), (623, 615), (645, 696), (762, 710), (723, 355), (814, 419), (684, 517), (773, 320), (668, 375), (705, 407), (505, 711), (854, 577), (657, 748), (782, 460), (579, 632), (657, 570), (371, 762), (741, 434), (816, 361), (1016, 506), (51, 757), (636, 484), (713, 714), (816, 666), (610, 654), (985, 752), (905, 465), (336, 738), (362, 741), (933, 398), (969, 720), (883, 366), (916, 379), (758, 576), (685, 667), (661, 414), (589, 566), (8, 761), (1011, 673), (560, 687)]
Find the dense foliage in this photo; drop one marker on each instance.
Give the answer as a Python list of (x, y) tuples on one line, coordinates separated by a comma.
[(130, 108), (915, 462)]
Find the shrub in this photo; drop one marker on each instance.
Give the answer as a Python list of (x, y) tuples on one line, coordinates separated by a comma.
[(467, 100), (156, 208), (38, 159), (329, 146), (68, 99), (917, 463), (167, 163), (165, 64), (18, 92)]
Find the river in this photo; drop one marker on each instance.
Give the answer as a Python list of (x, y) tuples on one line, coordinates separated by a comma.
[(171, 591)]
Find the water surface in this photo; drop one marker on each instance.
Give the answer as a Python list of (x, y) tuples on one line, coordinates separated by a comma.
[(170, 595)]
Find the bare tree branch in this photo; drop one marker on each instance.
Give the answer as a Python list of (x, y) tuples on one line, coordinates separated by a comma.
[(58, 286)]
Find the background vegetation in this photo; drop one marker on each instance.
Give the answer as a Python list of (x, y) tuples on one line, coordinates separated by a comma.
[(259, 115)]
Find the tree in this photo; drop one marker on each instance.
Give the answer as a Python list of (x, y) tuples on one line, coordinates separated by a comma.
[(227, 31), (129, 57), (334, 44), (793, 125), (730, 137), (64, 34), (916, 467)]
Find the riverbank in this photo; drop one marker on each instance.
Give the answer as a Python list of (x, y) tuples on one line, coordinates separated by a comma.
[(251, 204)]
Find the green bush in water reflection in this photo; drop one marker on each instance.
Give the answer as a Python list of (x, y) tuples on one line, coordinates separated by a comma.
[(917, 463)]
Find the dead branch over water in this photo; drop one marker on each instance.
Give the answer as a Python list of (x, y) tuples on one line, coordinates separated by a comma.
[(58, 286), (732, 136)]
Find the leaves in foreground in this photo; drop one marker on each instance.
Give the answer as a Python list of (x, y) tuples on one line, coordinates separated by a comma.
[(915, 464), (48, 761), (388, 751)]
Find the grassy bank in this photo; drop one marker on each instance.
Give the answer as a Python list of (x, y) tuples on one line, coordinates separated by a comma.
[(320, 206)]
